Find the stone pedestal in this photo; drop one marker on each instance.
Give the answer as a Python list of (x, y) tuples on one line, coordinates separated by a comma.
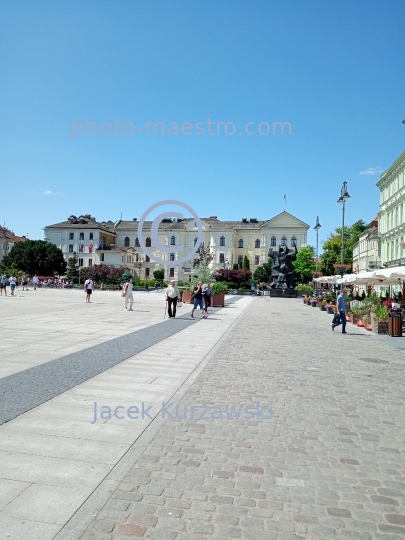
[(284, 293)]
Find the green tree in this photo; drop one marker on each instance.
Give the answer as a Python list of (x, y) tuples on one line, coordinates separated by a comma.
[(36, 257), (332, 247), (262, 274), (159, 275), (72, 268), (235, 266), (304, 264), (246, 263), (126, 276), (201, 273), (240, 264)]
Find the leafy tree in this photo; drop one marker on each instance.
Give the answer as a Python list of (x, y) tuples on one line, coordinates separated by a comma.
[(262, 274), (36, 257), (332, 247), (304, 264), (201, 273), (126, 276), (235, 266), (105, 273), (234, 276), (159, 275), (72, 268), (246, 263)]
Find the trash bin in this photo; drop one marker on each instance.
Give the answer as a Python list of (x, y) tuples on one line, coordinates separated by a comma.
[(395, 324)]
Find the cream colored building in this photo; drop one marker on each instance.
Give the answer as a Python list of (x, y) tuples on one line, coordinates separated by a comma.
[(227, 241), (7, 241), (392, 213), (366, 255)]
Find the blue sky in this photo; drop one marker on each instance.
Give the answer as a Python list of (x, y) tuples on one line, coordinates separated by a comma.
[(334, 70)]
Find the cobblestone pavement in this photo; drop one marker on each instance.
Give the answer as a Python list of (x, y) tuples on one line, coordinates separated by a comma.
[(329, 464)]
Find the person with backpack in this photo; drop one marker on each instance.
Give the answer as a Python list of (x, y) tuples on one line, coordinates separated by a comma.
[(88, 286), (206, 294), (3, 284)]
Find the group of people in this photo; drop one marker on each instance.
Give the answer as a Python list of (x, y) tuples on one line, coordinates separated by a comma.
[(12, 282), (201, 297)]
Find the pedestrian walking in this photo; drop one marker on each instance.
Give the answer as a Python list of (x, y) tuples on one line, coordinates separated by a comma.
[(172, 297), (146, 286), (35, 282), (206, 294), (25, 283), (129, 297), (252, 288), (341, 311), (3, 285), (13, 284), (88, 287), (198, 301)]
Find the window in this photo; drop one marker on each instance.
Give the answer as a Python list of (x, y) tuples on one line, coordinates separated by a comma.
[(147, 272), (222, 258), (126, 241), (172, 256), (71, 236), (137, 244), (294, 241), (148, 242), (91, 236), (147, 259), (90, 262), (273, 241), (284, 241), (240, 243), (173, 241), (257, 259), (82, 236), (240, 258), (171, 274), (81, 248), (80, 262), (102, 257), (71, 248), (257, 243), (222, 241)]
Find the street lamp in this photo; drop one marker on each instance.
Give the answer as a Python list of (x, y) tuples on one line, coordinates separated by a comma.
[(317, 227), (344, 196)]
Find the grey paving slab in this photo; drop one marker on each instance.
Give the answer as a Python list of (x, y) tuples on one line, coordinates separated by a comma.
[(10, 489), (16, 529), (328, 464)]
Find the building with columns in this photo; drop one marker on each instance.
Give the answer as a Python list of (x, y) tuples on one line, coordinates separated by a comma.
[(391, 226), (227, 241)]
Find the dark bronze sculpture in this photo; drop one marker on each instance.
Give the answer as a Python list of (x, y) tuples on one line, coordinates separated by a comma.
[(283, 272)]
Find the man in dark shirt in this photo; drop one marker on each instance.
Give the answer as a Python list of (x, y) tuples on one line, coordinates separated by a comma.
[(198, 301)]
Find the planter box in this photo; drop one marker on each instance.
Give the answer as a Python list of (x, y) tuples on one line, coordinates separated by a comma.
[(379, 327), (186, 297), (355, 318), (218, 299)]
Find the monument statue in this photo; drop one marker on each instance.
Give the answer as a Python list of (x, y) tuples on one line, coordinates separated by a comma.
[(283, 272)]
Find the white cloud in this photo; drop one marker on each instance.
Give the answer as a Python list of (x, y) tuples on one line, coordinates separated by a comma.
[(372, 171), (47, 192)]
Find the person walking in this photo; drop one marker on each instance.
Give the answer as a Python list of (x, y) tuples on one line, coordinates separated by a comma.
[(341, 310), (252, 288), (172, 297), (13, 283), (129, 297), (25, 283), (198, 301), (88, 286), (3, 285), (35, 282), (206, 294)]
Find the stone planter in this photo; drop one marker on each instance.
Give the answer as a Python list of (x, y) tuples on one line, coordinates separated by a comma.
[(379, 327)]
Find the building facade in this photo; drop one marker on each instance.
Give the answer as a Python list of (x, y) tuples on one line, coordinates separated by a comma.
[(227, 241), (7, 241), (391, 227), (366, 252)]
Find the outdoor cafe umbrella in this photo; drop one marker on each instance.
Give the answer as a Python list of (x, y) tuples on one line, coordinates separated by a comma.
[(394, 275)]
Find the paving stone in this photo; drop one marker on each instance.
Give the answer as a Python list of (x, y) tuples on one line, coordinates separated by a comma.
[(130, 529)]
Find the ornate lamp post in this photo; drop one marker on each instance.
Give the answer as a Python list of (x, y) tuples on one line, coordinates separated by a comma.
[(317, 227), (344, 196)]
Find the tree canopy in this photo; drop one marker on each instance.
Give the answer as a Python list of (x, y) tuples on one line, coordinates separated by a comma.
[(304, 264), (262, 274), (36, 257), (333, 245)]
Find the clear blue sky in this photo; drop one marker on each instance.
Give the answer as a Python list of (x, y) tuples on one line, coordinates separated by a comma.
[(334, 70)]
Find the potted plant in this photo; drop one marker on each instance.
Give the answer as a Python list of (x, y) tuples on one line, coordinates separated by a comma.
[(349, 316), (329, 308), (314, 302), (219, 288), (367, 322), (379, 320), (356, 314), (322, 305)]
